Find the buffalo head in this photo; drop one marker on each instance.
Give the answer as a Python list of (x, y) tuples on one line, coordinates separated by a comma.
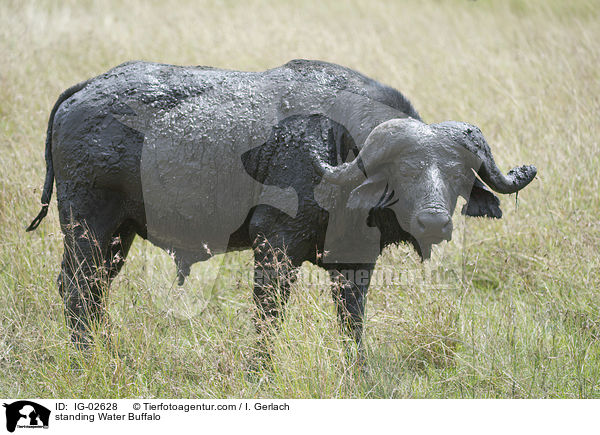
[(419, 170)]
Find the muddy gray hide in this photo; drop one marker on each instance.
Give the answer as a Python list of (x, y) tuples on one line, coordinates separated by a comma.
[(196, 189)]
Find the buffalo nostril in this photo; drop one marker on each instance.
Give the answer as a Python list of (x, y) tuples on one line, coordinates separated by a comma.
[(434, 224)]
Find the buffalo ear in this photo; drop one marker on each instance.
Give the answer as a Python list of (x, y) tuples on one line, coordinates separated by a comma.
[(482, 202), (368, 194)]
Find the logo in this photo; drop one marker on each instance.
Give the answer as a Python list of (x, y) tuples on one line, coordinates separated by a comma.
[(26, 414)]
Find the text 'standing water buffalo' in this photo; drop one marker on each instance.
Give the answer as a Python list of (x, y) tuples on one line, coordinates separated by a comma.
[(310, 159)]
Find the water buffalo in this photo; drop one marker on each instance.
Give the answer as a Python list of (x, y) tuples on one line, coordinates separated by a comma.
[(309, 161)]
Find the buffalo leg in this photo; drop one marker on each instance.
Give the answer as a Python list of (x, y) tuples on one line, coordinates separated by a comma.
[(350, 284), (274, 273), (273, 276), (94, 252), (278, 254)]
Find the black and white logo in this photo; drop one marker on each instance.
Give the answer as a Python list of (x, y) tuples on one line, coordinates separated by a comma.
[(26, 414)]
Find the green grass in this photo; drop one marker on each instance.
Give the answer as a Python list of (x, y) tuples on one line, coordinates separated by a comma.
[(509, 308)]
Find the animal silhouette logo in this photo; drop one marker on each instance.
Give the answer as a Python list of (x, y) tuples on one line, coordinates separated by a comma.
[(26, 414)]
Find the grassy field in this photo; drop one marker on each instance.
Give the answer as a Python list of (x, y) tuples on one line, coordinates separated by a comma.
[(508, 309)]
